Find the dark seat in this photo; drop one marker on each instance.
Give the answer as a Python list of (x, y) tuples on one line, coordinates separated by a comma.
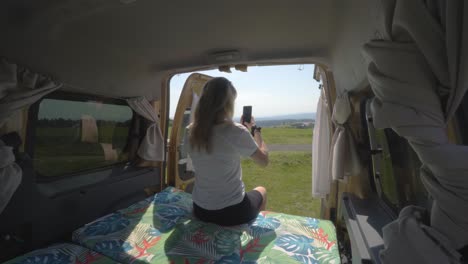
[(15, 220)]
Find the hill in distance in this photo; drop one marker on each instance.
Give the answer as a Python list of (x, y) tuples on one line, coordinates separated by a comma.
[(300, 116), (280, 120)]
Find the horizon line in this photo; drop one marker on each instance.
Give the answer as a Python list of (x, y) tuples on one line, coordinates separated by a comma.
[(273, 116)]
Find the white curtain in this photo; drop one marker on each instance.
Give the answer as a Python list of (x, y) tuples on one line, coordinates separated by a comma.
[(344, 158), (195, 100), (321, 176), (419, 74), (152, 146), (19, 88)]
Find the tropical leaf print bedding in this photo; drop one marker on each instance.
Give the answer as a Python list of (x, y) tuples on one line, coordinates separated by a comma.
[(161, 229), (283, 238), (62, 254)]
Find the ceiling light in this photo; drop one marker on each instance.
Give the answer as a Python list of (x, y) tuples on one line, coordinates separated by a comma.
[(225, 56), (127, 1)]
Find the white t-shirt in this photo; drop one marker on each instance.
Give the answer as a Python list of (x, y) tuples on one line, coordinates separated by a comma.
[(218, 175)]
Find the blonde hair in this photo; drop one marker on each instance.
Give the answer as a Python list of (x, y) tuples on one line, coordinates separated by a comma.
[(215, 105)]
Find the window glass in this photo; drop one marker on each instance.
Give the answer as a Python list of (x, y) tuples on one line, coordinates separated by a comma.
[(461, 125), (386, 174), (406, 171), (73, 136)]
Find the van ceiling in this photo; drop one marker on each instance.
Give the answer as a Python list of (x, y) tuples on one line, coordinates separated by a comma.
[(125, 47)]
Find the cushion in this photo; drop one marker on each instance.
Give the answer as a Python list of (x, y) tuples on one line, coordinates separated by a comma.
[(162, 229), (62, 254)]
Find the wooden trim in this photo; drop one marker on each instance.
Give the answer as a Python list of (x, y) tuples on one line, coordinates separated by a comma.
[(453, 132), (164, 105), (194, 83), (164, 118), (24, 127)]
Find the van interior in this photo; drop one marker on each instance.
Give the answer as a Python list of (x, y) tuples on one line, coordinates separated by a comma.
[(89, 172)]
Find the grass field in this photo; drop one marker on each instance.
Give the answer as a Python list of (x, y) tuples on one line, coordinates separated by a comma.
[(288, 181), (285, 135), (59, 151), (288, 176)]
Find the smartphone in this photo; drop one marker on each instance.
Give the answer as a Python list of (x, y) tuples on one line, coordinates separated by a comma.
[(247, 113)]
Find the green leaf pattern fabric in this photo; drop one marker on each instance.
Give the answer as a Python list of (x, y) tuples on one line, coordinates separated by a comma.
[(291, 239), (162, 229), (62, 254)]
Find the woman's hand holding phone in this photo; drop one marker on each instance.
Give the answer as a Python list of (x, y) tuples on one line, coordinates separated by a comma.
[(246, 124)]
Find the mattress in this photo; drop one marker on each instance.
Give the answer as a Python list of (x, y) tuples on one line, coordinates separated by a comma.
[(162, 229), (62, 254)]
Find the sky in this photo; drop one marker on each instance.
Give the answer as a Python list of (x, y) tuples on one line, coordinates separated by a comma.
[(270, 90), (53, 109)]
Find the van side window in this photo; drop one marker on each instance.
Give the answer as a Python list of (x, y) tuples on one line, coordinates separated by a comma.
[(72, 136), (400, 175), (385, 169), (395, 168), (406, 171), (462, 120)]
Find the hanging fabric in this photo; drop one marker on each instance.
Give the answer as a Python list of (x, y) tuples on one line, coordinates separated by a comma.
[(419, 76), (19, 88), (321, 176), (152, 146), (10, 175), (195, 100), (344, 158)]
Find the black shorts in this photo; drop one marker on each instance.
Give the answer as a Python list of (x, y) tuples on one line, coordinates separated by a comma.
[(237, 214)]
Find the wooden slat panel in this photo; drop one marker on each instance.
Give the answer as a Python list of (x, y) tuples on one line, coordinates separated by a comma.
[(194, 84)]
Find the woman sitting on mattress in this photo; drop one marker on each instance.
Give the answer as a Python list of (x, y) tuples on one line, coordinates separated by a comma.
[(216, 146)]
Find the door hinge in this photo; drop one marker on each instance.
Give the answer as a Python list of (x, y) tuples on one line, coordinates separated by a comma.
[(171, 148)]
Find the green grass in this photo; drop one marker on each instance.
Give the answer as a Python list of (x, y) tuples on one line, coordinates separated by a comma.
[(106, 134), (59, 151), (288, 182), (63, 165), (283, 135)]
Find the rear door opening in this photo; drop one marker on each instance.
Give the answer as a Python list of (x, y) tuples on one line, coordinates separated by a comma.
[(284, 100)]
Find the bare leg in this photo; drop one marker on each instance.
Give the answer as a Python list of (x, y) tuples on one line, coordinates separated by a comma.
[(262, 190)]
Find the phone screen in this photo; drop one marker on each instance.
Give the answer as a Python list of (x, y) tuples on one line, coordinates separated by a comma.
[(247, 113)]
